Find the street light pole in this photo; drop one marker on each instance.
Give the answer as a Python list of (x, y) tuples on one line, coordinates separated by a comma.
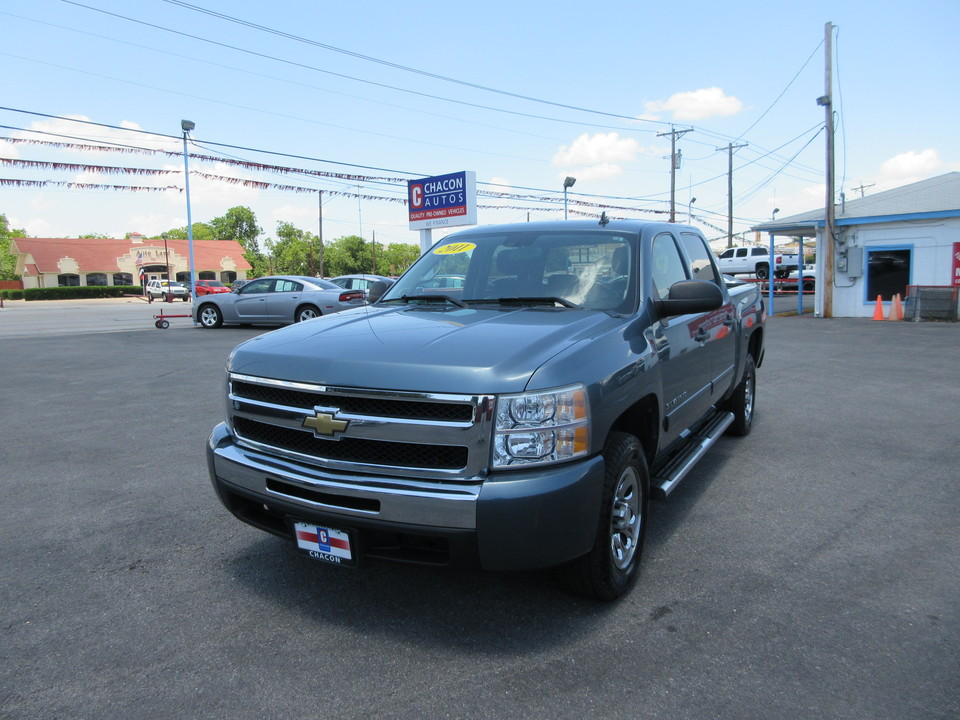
[(567, 183), (186, 126)]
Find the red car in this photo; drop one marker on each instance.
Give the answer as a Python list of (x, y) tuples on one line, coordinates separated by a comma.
[(210, 287)]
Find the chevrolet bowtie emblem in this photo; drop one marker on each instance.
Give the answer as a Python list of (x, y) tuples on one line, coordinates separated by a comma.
[(325, 425)]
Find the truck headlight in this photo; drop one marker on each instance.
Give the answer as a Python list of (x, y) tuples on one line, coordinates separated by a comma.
[(541, 427)]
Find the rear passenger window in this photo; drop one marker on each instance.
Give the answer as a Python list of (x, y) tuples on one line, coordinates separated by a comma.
[(758, 251), (701, 266)]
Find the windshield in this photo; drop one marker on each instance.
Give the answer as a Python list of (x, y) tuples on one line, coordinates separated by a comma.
[(592, 269)]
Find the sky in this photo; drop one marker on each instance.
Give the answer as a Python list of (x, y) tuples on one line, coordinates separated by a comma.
[(347, 101)]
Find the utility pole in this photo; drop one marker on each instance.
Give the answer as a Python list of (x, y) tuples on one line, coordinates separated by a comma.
[(861, 188), (674, 166), (320, 229), (730, 148), (826, 101)]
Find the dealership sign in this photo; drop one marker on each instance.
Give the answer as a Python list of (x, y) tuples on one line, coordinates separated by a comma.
[(956, 264), (443, 201)]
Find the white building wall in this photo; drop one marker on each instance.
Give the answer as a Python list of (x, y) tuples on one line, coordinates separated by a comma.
[(931, 246)]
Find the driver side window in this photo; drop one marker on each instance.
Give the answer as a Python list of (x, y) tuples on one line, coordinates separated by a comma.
[(667, 265), (257, 286)]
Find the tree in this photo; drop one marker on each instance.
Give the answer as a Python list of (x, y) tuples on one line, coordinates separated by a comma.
[(240, 224), (8, 262), (352, 254), (201, 231), (396, 258), (348, 255), (291, 252)]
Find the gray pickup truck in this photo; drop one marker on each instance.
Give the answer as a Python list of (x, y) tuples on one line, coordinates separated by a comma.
[(512, 402)]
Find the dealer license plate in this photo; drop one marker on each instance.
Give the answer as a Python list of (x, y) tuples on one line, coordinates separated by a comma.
[(325, 543)]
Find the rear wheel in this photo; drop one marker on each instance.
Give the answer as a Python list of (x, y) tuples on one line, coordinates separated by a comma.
[(210, 317), (741, 404), (611, 565), (306, 312), (763, 271)]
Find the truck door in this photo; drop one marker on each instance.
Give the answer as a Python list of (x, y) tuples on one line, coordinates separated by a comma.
[(679, 342), (721, 332)]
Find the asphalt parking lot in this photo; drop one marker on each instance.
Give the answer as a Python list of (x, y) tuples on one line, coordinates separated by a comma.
[(809, 570)]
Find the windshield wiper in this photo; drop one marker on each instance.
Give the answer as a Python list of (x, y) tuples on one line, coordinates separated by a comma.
[(432, 298), (545, 300)]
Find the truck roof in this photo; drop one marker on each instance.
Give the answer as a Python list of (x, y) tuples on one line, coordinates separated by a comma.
[(624, 226)]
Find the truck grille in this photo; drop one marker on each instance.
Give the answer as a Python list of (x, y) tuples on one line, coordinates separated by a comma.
[(417, 435), (354, 450), (359, 405)]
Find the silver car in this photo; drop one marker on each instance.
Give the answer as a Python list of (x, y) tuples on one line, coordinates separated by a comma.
[(275, 300)]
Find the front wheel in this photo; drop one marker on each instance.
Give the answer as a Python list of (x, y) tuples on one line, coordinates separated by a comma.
[(306, 312), (743, 400), (210, 317), (611, 565)]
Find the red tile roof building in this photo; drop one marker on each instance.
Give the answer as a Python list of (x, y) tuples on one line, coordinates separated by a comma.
[(54, 262)]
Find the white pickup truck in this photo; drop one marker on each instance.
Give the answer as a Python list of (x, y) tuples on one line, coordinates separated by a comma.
[(755, 260)]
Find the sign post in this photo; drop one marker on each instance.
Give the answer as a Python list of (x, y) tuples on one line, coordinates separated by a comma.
[(441, 201)]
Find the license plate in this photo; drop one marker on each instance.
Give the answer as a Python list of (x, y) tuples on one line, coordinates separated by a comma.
[(325, 543)]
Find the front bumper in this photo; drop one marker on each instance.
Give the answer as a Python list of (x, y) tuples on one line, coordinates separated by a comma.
[(509, 521)]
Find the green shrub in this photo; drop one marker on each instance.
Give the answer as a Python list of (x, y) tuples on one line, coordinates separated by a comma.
[(11, 294), (81, 292)]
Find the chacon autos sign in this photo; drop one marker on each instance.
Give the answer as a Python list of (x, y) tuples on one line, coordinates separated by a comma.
[(443, 201)]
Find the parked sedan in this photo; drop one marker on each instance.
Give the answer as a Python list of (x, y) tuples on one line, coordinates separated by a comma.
[(210, 287), (275, 300)]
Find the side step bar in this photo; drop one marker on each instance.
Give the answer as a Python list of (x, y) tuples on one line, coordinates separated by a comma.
[(670, 475)]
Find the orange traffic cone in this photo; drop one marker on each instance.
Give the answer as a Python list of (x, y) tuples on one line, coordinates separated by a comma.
[(896, 309), (878, 309)]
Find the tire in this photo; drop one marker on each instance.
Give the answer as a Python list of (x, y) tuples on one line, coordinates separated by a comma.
[(781, 274), (743, 401), (611, 565), (210, 317), (163, 324), (763, 271), (809, 285), (306, 312)]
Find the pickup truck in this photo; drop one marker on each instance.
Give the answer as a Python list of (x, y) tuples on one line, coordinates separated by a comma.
[(520, 419), (755, 260)]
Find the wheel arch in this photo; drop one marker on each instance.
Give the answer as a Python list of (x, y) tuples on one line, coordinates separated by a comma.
[(642, 420), (304, 305)]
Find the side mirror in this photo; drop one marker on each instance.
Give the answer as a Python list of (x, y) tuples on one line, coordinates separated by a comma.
[(691, 296), (377, 290)]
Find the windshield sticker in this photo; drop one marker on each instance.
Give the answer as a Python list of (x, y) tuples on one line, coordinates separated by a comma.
[(454, 248)]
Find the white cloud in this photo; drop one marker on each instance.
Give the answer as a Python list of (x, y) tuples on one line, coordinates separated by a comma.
[(9, 150), (595, 172), (695, 105), (596, 149), (909, 167)]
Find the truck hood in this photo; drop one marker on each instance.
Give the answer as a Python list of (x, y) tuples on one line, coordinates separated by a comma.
[(418, 349)]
